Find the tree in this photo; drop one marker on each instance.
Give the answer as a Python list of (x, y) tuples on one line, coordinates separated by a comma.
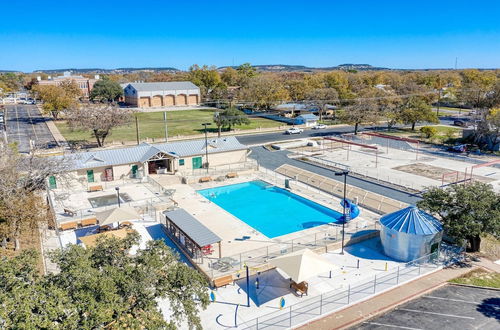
[(228, 118), (207, 78), (467, 211), (102, 287), (21, 179), (57, 98), (106, 90), (365, 109), (321, 97), (416, 109), (264, 91), (100, 119)]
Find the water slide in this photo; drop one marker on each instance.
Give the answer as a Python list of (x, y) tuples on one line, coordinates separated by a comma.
[(351, 208)]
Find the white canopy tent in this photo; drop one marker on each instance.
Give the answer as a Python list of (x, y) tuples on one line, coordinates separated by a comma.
[(302, 264), (119, 214)]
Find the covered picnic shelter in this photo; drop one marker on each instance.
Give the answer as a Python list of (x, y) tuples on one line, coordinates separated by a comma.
[(189, 233)]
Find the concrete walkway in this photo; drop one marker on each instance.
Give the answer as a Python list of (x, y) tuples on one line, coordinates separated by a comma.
[(386, 301)]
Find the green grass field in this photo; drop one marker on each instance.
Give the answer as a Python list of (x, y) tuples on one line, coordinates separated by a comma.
[(151, 125)]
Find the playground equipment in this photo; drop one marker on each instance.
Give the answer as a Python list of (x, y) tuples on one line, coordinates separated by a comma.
[(352, 210)]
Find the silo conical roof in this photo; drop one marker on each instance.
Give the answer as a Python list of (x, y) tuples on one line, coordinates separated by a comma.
[(412, 221)]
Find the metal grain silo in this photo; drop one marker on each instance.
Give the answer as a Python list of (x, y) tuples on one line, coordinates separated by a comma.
[(409, 234)]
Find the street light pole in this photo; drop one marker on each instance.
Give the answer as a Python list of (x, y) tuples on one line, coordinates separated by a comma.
[(345, 173), (206, 143), (118, 195)]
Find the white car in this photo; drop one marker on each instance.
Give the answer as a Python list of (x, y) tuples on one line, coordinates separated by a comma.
[(319, 126), (294, 130)]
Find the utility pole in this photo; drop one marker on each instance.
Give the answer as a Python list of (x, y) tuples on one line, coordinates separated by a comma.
[(166, 128), (439, 101), (137, 129), (206, 143)]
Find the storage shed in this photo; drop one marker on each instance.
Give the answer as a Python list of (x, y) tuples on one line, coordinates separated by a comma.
[(410, 233)]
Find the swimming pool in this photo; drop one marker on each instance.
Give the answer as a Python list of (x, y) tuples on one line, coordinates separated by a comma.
[(271, 210)]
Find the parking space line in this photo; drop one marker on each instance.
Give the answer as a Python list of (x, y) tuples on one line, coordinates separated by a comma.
[(440, 314), (449, 299), (391, 326)]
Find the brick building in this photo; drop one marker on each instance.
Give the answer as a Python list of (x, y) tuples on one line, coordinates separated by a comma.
[(162, 94), (85, 84)]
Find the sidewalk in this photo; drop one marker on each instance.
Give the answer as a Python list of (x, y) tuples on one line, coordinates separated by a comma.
[(357, 313)]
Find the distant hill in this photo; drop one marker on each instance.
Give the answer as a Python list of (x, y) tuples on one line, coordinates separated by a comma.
[(109, 71), (302, 68)]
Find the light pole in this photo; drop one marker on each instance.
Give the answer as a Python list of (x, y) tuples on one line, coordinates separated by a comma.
[(118, 195), (206, 142), (345, 173)]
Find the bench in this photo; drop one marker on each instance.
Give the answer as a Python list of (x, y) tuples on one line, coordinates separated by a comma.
[(205, 179), (232, 175), (300, 288), (95, 188), (68, 225), (69, 212), (223, 281), (88, 222)]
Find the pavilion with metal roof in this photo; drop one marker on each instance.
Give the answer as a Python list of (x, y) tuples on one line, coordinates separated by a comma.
[(194, 237)]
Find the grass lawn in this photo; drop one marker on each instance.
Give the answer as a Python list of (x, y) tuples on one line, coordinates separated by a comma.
[(183, 122), (479, 277)]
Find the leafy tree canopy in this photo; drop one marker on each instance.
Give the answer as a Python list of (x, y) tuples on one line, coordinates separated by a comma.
[(466, 211), (230, 117), (101, 287), (106, 90)]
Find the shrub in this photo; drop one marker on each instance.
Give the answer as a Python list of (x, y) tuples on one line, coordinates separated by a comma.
[(429, 131)]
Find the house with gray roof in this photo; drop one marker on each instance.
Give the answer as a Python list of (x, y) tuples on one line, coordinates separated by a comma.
[(159, 158), (161, 94)]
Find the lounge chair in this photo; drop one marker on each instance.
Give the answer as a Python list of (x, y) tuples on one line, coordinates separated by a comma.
[(88, 222), (223, 281), (68, 225), (104, 228), (205, 179), (232, 175), (125, 224), (95, 188), (300, 288)]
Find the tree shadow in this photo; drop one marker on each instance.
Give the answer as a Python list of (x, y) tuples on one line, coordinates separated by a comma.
[(490, 307)]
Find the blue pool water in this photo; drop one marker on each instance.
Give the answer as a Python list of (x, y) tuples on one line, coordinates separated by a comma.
[(271, 210)]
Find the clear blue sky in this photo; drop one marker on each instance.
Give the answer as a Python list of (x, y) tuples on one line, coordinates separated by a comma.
[(109, 34)]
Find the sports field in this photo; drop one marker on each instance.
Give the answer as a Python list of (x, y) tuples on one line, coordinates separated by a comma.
[(151, 125)]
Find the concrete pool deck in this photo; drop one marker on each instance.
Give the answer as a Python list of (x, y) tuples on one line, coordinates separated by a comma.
[(231, 229), (230, 304)]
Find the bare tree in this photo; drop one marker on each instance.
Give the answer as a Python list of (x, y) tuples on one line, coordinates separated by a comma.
[(322, 97), (22, 181), (99, 118)]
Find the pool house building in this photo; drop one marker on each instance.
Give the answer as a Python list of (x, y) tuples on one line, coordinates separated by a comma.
[(146, 159)]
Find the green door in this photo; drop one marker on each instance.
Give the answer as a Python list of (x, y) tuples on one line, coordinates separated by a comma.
[(197, 162), (90, 175), (134, 170), (52, 182)]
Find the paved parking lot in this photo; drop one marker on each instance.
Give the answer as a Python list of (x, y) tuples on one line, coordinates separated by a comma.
[(451, 307), (24, 123)]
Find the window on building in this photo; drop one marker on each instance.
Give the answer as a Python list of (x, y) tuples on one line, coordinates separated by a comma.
[(181, 162)]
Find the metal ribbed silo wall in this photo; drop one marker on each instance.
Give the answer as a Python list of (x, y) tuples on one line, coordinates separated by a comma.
[(407, 247)]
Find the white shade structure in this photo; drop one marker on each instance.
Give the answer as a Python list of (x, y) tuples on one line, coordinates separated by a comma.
[(119, 214), (302, 264)]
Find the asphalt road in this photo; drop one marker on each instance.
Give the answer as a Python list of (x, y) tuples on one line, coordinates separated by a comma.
[(24, 123), (274, 159), (451, 307), (257, 139)]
